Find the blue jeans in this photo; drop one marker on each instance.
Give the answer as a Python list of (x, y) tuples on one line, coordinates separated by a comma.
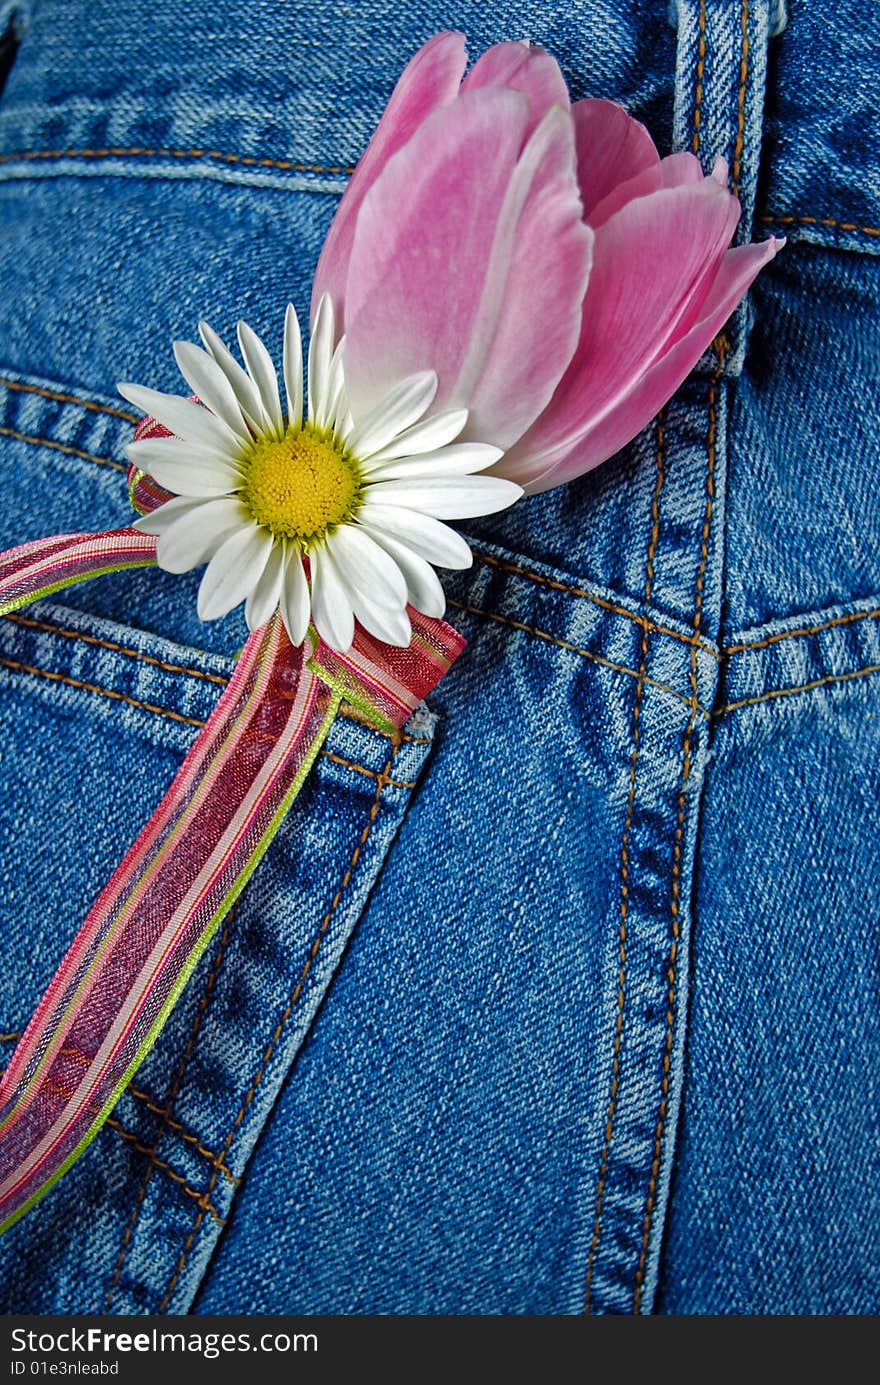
[(565, 999)]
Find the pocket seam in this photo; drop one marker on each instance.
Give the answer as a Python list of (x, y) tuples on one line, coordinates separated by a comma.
[(285, 1017)]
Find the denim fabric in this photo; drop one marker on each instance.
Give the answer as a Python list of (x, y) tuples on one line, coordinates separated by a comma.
[(567, 1000)]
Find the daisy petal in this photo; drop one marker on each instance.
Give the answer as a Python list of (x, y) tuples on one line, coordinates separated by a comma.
[(460, 459), (293, 367), (365, 568), (431, 540), (196, 533), (402, 406), (243, 387), (264, 598), (336, 402), (182, 472), (423, 586), (182, 417), (437, 431), (164, 449), (207, 380), (321, 349), (262, 372), (160, 519), (331, 608), (295, 603), (449, 497), (390, 626), (234, 570)]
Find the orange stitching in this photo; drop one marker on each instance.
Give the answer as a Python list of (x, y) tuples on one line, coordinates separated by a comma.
[(644, 622), (344, 710), (159, 1111), (372, 773), (60, 447), (745, 647), (103, 692), (821, 221), (624, 870), (201, 1010), (585, 653), (282, 1023), (118, 649), (182, 1131), (803, 687), (166, 711), (701, 68), (115, 152), (21, 387), (203, 1199), (741, 99), (672, 960)]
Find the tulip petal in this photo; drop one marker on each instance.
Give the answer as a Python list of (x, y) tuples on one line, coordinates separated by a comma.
[(521, 67), (471, 264), (654, 262), (611, 148), (425, 240), (738, 269), (429, 81), (529, 338), (672, 172)]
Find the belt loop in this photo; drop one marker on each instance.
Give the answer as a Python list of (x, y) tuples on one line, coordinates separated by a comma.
[(720, 78)]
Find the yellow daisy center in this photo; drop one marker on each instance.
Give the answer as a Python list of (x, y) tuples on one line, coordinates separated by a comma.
[(302, 486)]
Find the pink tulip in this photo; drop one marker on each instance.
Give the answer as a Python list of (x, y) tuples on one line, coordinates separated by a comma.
[(559, 277)]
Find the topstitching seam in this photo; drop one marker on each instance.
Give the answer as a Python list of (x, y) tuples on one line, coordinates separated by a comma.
[(641, 620), (291, 166), (677, 850), (217, 155), (61, 397), (201, 1010), (160, 1164), (785, 219), (285, 1017), (624, 873)]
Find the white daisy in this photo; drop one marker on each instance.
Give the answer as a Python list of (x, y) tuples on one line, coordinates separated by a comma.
[(258, 490)]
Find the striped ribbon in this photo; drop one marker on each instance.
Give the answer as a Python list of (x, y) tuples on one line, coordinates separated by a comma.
[(130, 960)]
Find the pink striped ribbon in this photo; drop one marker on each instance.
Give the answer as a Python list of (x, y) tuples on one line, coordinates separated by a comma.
[(130, 960)]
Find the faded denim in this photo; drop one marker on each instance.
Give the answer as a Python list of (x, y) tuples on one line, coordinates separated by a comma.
[(567, 1000)]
